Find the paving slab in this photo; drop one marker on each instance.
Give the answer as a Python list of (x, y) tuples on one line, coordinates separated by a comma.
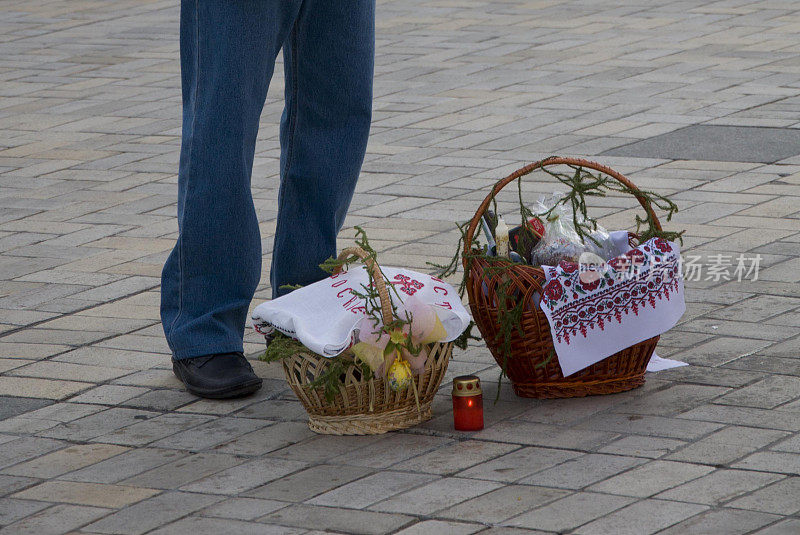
[(98, 436), (716, 143)]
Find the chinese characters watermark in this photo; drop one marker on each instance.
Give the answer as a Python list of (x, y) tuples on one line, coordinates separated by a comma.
[(720, 267), (693, 268)]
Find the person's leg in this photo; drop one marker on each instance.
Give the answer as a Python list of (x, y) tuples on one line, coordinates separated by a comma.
[(228, 50), (329, 56)]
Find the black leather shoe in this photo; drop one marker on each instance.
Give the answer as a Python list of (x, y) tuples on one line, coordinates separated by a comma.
[(224, 375)]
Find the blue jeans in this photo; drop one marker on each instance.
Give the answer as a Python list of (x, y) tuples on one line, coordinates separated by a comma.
[(228, 51)]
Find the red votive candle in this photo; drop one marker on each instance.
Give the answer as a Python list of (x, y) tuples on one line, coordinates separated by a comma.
[(467, 403)]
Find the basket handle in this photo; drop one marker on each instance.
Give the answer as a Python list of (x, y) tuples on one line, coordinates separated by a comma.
[(542, 163), (377, 276)]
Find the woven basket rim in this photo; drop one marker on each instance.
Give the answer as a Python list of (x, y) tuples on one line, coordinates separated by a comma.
[(528, 364)]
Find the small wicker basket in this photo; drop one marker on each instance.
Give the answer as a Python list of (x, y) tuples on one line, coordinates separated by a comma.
[(365, 407), (530, 366)]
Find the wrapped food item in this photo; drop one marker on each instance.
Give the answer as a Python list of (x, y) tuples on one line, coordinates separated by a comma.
[(600, 243), (561, 242), (525, 237), (558, 249)]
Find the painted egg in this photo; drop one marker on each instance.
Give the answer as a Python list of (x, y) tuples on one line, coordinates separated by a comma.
[(399, 376)]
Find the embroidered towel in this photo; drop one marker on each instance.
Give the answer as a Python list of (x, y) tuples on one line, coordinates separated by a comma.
[(632, 297), (323, 316)]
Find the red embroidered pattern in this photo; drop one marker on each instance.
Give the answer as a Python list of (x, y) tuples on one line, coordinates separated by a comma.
[(407, 284), (652, 273)]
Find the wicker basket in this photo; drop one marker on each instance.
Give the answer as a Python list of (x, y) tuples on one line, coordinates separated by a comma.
[(530, 365), (365, 407)]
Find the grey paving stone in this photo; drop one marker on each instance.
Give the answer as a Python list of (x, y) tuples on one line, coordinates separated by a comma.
[(267, 439), (194, 525), (499, 505), (246, 476), (440, 527), (124, 466), (767, 393), (98, 424), (720, 486), (48, 417), (55, 520), (570, 512), (778, 498), (147, 431), (717, 143), (787, 527), (109, 394), (12, 509), (642, 518), (371, 489), (65, 460), (183, 470), (651, 425), (790, 444), (25, 448), (390, 450), (80, 493), (512, 531), (305, 484), (243, 508), (456, 457), (745, 416), (728, 521), (11, 406), (210, 434), (323, 448), (722, 350), (518, 464), (639, 446), (520, 432), (435, 496), (275, 409), (582, 471), (10, 484), (771, 461), (152, 513), (161, 400), (673, 400), (727, 445), (651, 478), (335, 519)]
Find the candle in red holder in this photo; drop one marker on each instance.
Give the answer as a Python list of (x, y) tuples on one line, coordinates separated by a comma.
[(467, 403)]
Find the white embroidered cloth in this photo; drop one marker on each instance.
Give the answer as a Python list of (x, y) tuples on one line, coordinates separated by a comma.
[(633, 297), (323, 316)]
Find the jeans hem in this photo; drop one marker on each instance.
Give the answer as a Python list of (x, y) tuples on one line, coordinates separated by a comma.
[(202, 351)]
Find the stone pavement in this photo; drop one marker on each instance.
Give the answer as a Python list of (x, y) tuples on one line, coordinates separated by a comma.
[(97, 436)]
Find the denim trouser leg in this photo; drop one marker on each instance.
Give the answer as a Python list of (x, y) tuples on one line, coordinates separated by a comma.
[(328, 68), (228, 51)]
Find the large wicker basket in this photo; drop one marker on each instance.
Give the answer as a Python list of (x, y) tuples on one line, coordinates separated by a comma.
[(365, 407), (530, 365)]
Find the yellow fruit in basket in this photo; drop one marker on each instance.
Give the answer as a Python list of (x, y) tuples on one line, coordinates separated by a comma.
[(438, 332), (369, 354), (399, 377)]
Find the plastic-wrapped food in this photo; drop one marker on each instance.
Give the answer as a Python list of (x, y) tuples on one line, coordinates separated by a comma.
[(600, 243), (561, 242)]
